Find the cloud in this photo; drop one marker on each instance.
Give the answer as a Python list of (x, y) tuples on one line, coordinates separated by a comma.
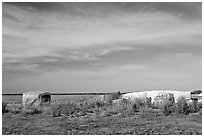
[(180, 60), (105, 38)]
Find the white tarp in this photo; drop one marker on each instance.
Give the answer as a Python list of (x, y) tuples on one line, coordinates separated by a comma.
[(154, 93), (36, 96)]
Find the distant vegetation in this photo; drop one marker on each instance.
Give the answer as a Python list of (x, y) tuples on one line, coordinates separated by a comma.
[(196, 92), (88, 93)]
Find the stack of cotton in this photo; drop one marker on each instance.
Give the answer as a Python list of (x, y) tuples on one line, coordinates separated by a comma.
[(154, 93)]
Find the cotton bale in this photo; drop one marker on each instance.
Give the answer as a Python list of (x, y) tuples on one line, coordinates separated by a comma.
[(36, 98), (153, 94), (134, 95), (163, 97)]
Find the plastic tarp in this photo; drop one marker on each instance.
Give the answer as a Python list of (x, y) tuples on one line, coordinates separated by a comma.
[(155, 93), (38, 97)]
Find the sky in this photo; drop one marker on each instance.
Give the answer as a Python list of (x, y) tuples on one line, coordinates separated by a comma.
[(101, 47)]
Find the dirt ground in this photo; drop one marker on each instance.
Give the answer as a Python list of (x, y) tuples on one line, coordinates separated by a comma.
[(39, 124)]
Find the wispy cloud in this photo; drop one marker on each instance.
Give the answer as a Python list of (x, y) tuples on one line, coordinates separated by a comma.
[(41, 38)]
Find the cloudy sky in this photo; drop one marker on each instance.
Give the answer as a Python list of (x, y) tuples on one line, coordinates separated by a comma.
[(101, 47)]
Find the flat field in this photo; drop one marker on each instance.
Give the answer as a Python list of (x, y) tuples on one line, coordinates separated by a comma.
[(82, 117), (99, 124)]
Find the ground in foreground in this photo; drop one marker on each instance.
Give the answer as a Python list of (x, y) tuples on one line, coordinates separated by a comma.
[(145, 124)]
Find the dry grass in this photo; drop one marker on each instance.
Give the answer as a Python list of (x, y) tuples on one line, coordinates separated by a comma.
[(102, 116), (139, 124)]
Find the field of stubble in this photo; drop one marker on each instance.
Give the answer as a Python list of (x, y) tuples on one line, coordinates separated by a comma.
[(96, 118)]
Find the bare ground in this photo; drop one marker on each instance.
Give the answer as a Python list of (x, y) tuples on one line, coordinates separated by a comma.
[(91, 123)]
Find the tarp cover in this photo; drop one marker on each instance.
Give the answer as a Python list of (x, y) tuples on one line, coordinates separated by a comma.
[(155, 93), (32, 97)]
